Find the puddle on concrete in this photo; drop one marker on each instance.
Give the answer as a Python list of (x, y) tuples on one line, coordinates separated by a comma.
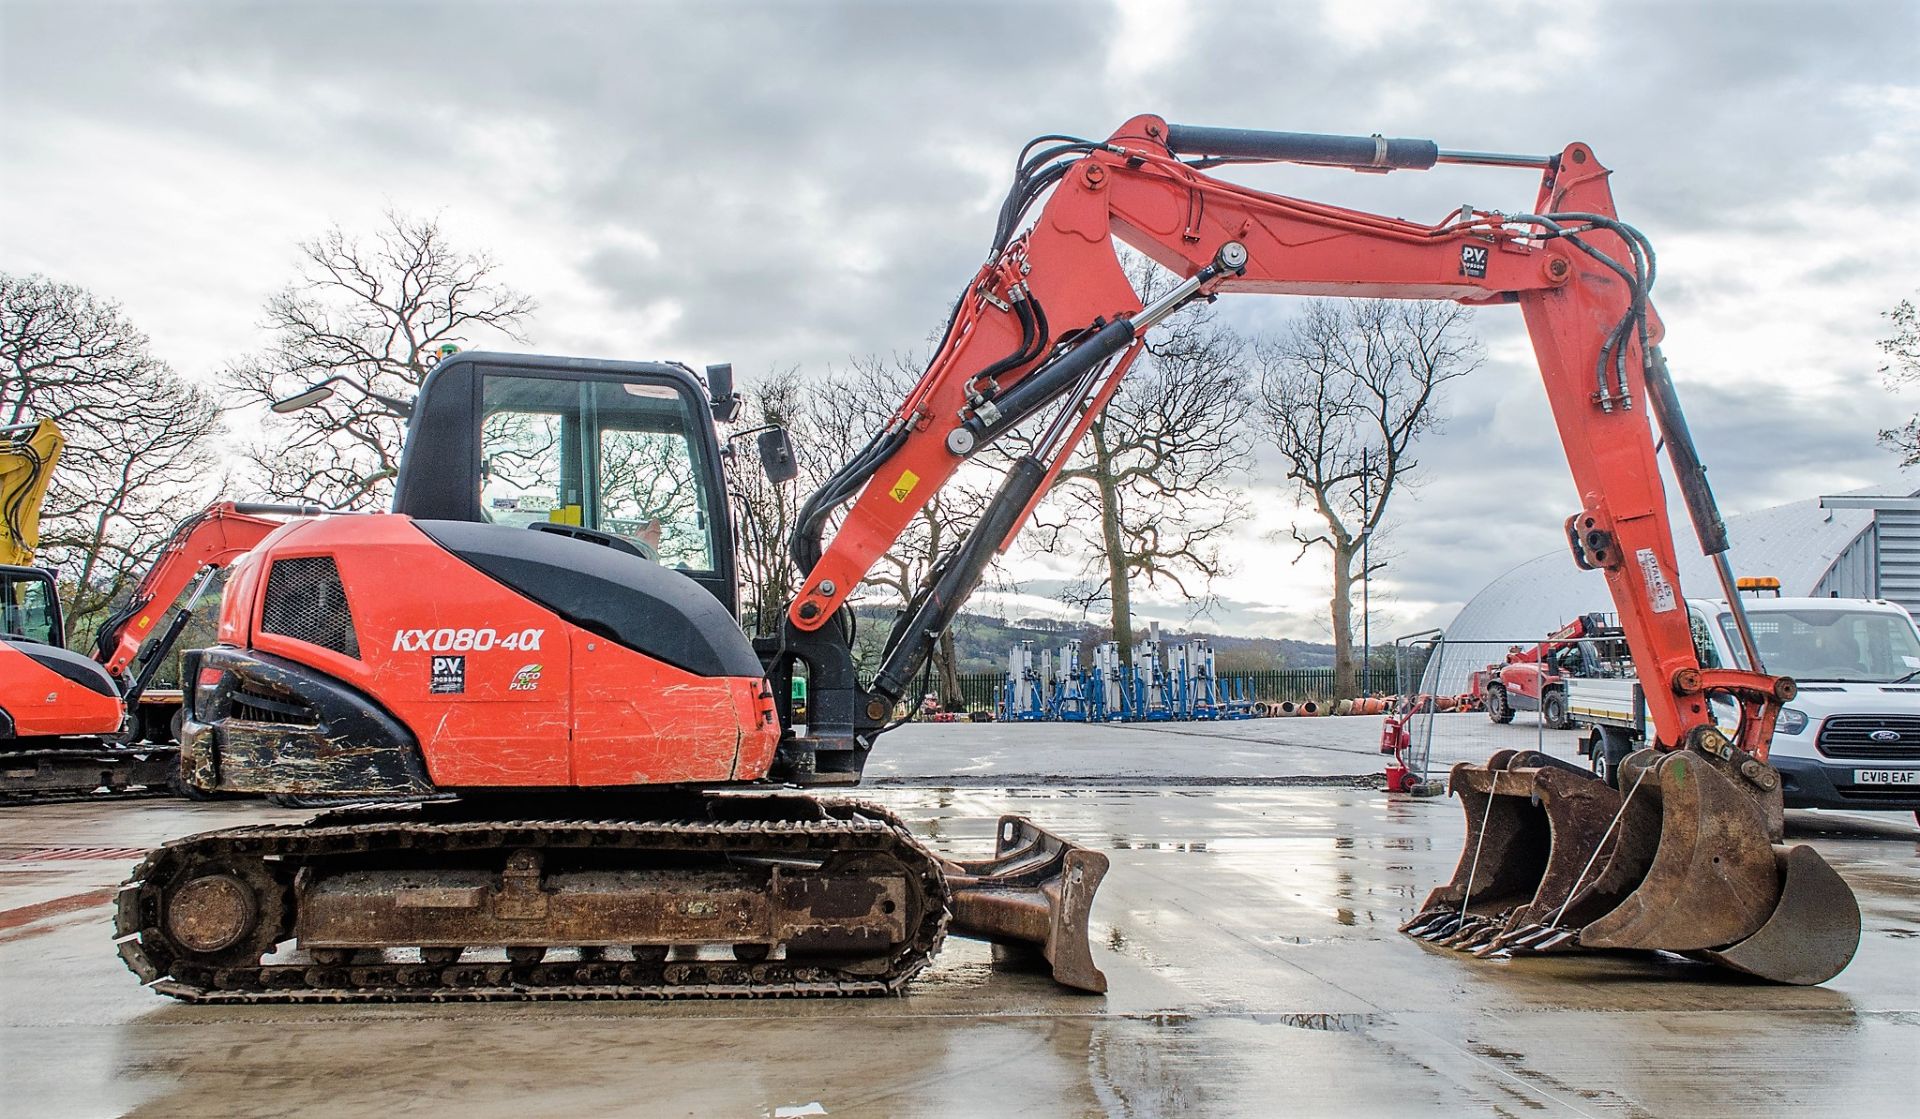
[(1332, 1023), (1118, 843)]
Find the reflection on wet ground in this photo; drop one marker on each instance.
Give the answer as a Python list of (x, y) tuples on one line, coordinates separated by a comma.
[(1248, 934)]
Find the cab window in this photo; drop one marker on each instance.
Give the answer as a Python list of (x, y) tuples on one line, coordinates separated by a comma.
[(1834, 643), (28, 609), (1703, 649), (620, 457)]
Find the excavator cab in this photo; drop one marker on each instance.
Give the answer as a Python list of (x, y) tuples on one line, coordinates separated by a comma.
[(622, 454), (46, 691), (30, 607)]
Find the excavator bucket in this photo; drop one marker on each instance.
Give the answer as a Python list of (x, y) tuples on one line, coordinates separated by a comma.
[(1813, 932), (1684, 860), (1538, 831), (1713, 881), (1035, 894)]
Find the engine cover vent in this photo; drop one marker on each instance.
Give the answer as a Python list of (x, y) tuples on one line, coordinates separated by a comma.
[(306, 602)]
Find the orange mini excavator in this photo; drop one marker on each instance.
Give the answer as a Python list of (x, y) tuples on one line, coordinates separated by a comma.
[(611, 751), (72, 724)]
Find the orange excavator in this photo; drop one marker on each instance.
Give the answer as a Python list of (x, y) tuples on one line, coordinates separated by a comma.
[(72, 724), (543, 633)]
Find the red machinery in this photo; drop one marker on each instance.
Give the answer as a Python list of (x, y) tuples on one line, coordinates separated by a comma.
[(1535, 678), (70, 723), (598, 716)]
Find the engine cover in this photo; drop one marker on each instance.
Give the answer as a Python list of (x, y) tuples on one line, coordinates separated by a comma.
[(508, 658)]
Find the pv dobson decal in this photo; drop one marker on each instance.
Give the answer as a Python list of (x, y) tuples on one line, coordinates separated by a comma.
[(449, 676), (525, 680), (465, 640), (1473, 261)]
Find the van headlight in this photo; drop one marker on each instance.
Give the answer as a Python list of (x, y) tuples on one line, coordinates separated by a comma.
[(1792, 720)]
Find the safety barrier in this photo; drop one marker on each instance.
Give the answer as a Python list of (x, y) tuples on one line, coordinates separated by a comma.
[(1442, 714)]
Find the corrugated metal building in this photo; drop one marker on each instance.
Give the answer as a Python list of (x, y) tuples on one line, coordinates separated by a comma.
[(1885, 561)]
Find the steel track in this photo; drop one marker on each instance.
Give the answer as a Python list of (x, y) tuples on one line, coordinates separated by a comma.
[(846, 826), (59, 775)]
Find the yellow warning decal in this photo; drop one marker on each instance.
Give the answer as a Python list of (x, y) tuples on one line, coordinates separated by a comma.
[(904, 487)]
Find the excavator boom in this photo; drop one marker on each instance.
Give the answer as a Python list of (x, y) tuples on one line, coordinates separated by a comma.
[(208, 540), (28, 453), (1049, 326)]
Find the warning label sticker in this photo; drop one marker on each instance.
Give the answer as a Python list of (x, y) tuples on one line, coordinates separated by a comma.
[(1659, 587), (903, 488)]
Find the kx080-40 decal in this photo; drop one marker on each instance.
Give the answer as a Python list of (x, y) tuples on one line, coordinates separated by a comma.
[(464, 640)]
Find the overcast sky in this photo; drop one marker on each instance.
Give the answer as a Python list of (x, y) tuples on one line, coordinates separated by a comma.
[(797, 183)]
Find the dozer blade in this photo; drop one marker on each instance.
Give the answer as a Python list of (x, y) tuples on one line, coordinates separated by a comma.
[(1713, 879), (1036, 893), (1812, 934)]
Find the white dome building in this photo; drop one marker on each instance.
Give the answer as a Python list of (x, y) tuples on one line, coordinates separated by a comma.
[(1858, 545)]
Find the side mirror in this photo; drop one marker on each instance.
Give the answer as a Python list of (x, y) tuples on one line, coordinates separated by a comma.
[(776, 455), (725, 402)]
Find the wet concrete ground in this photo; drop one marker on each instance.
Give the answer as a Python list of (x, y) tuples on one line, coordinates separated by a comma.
[(1248, 933), (1234, 751)]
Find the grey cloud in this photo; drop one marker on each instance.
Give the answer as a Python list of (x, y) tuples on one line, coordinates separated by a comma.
[(809, 177)]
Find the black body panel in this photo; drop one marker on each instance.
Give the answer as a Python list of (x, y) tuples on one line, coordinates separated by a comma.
[(83, 671), (636, 602), (273, 726)]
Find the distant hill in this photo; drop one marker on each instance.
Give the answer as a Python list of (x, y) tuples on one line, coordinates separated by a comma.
[(983, 642)]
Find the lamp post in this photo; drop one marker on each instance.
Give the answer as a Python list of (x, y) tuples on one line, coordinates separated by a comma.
[(1366, 573), (1366, 614)]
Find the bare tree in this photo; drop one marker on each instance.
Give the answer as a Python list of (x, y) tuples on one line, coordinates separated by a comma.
[(1346, 391), (378, 313), (1150, 492), (137, 457), (1902, 368)]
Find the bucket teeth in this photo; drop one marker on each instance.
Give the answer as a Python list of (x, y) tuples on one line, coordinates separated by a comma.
[(1533, 940), (1432, 925), (1475, 936), (1556, 861)]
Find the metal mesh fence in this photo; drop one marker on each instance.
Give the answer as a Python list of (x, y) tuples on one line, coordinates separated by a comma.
[(1449, 716), (983, 689)]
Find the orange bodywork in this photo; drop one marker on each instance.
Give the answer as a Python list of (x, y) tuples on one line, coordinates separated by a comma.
[(44, 703), (543, 703)]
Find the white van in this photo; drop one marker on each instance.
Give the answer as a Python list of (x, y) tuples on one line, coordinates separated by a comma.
[(1850, 739)]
